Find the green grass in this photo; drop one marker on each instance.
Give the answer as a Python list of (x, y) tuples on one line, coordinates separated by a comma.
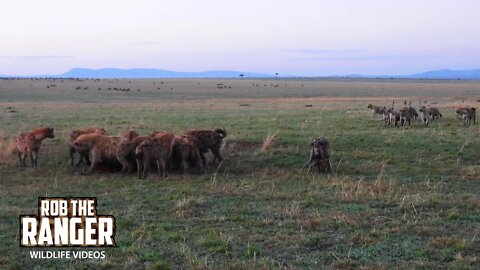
[(399, 197)]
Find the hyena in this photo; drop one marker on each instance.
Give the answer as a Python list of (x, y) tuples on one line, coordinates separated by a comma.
[(425, 115), (434, 112), (29, 144), (185, 152), (470, 116), (156, 149), (376, 110), (320, 155), (100, 147), (461, 112), (83, 155), (405, 117), (209, 140), (393, 116), (126, 149), (412, 112)]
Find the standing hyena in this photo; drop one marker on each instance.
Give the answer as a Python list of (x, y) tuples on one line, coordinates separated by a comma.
[(29, 144), (470, 116), (100, 148), (126, 149), (156, 149), (320, 155), (376, 110), (434, 113), (425, 115), (209, 140), (185, 152), (83, 155)]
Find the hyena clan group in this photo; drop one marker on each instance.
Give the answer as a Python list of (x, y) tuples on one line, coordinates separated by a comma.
[(161, 149)]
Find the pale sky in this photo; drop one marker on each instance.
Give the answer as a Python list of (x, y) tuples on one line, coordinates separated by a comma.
[(295, 37)]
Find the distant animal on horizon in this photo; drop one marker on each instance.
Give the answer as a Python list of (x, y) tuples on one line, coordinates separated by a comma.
[(29, 143)]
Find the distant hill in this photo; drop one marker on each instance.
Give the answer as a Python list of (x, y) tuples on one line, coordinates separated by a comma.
[(134, 73), (445, 74), (448, 74), (154, 73)]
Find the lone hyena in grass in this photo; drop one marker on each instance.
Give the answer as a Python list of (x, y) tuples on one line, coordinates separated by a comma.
[(28, 144), (320, 155)]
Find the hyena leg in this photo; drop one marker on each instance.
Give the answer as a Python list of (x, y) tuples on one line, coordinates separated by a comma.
[(72, 154), (139, 167), (95, 160), (184, 164), (204, 160), (35, 157), (24, 159), (146, 168), (328, 164), (20, 158), (163, 163), (159, 168), (30, 154), (217, 155), (125, 164)]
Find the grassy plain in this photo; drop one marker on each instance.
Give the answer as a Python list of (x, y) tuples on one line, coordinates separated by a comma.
[(400, 197)]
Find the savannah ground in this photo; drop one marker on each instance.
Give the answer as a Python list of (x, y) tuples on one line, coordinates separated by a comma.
[(399, 197)]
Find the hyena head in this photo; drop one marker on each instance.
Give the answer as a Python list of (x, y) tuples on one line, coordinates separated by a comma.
[(221, 132), (423, 109), (50, 133), (101, 131), (321, 148), (130, 134)]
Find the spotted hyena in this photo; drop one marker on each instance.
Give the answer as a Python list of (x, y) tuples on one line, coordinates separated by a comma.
[(126, 149), (29, 144), (470, 116), (100, 147), (209, 140), (376, 110), (434, 112), (185, 153), (156, 149), (84, 158), (320, 155)]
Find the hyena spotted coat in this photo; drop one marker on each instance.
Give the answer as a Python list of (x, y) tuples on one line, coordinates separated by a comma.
[(83, 155), (100, 147), (185, 153), (28, 144), (126, 149), (320, 155), (156, 149), (209, 140)]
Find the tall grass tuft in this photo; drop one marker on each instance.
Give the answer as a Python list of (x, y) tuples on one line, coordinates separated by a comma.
[(7, 150), (268, 141)]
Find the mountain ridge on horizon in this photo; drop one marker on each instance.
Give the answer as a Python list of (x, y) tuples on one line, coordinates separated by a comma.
[(139, 73)]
